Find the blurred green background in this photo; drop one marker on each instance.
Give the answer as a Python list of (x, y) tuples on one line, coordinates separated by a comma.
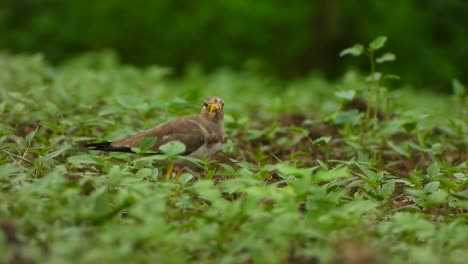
[(282, 38)]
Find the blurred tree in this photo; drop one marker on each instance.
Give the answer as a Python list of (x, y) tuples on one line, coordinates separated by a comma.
[(429, 37), (284, 38)]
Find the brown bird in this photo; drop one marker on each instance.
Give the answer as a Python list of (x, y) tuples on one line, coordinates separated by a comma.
[(202, 134)]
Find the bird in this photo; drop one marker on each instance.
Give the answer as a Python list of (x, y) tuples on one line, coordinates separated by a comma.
[(202, 134)]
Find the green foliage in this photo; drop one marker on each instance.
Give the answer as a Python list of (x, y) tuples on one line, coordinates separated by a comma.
[(296, 180), (355, 50), (267, 36)]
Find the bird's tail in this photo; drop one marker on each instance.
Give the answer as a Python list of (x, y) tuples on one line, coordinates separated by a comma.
[(106, 146)]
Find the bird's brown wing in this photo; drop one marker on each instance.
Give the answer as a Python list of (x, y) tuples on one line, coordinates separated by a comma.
[(185, 130)]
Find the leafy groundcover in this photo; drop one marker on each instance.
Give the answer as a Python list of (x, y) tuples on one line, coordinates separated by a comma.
[(311, 171)]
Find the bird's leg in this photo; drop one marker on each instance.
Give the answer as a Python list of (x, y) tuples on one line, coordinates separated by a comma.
[(169, 171), (179, 172)]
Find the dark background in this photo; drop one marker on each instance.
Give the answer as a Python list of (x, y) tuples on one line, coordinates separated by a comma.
[(283, 38)]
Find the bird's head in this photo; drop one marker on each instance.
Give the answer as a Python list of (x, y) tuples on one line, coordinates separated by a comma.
[(213, 108)]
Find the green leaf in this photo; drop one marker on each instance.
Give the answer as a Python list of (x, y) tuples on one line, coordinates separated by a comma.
[(130, 102), (152, 158), (6, 130), (147, 143), (461, 176), (7, 171), (410, 126), (100, 202), (458, 88), (54, 154), (355, 50), (290, 170), (433, 171), (346, 94), (144, 172), (398, 149), (352, 117), (437, 148), (462, 194), (173, 148), (110, 110), (185, 178), (82, 159), (438, 197), (2, 107), (369, 173), (387, 189), (377, 43), (207, 190), (432, 187), (391, 77), (386, 57), (323, 141), (328, 175), (412, 224), (374, 77), (115, 175)]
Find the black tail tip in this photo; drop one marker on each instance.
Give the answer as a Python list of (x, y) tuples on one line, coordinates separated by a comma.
[(106, 146), (99, 146)]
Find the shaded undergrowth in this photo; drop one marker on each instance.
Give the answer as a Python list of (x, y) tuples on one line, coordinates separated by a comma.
[(305, 174)]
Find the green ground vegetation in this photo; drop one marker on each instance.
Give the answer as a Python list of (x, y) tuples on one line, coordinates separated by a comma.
[(311, 171)]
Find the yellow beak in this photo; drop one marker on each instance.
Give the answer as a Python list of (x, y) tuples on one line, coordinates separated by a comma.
[(215, 106)]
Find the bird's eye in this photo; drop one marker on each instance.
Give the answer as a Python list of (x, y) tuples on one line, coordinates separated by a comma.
[(205, 104)]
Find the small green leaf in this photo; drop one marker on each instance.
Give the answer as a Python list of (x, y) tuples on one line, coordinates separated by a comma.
[(110, 110), (130, 102), (2, 107), (391, 77), (398, 149), (387, 189), (101, 202), (458, 88), (185, 178), (346, 95), (433, 170), (115, 175), (6, 130), (290, 170), (352, 117), (374, 77), (144, 172), (355, 50), (329, 175), (147, 143), (323, 141), (82, 159), (152, 158), (437, 197), (386, 57), (460, 176), (410, 126), (462, 194), (377, 43), (206, 190), (322, 164), (54, 154), (437, 149), (432, 187), (7, 171), (173, 148)]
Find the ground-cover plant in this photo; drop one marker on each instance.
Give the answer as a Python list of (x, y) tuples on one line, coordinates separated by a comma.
[(295, 182)]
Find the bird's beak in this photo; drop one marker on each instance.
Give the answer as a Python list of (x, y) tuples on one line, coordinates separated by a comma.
[(215, 106)]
